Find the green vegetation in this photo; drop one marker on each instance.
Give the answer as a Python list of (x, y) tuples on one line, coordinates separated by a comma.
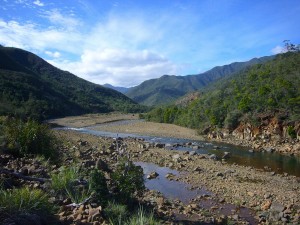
[(24, 200), (269, 88), (98, 186), (30, 137), (118, 215), (31, 87), (167, 89), (129, 179)]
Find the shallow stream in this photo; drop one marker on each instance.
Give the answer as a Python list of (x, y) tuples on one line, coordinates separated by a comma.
[(240, 155)]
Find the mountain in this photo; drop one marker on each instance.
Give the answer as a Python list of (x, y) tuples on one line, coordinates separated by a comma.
[(252, 96), (30, 86), (123, 90), (168, 88)]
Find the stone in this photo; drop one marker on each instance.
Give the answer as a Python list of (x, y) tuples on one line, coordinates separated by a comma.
[(152, 175), (266, 205), (226, 155), (191, 153), (101, 165), (197, 169), (94, 213), (212, 157), (219, 174), (169, 175)]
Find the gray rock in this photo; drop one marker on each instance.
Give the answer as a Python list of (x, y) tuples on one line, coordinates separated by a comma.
[(152, 175), (226, 155), (213, 157), (192, 153)]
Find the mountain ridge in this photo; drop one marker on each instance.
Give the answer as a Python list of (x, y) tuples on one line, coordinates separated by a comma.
[(31, 86), (168, 88)]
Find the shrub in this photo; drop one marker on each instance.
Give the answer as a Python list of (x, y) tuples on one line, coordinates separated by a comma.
[(29, 138), (291, 132), (128, 178), (97, 185), (232, 120)]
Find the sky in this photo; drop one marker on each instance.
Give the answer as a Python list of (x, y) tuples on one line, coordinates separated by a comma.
[(126, 42)]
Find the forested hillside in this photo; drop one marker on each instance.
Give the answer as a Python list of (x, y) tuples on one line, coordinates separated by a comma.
[(29, 86), (270, 88), (167, 89)]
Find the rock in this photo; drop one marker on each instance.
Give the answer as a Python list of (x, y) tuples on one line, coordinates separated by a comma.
[(212, 157), (251, 194), (94, 213), (197, 169), (159, 145), (169, 175), (152, 175), (191, 153), (270, 150), (101, 165), (266, 205), (195, 147), (226, 155), (176, 158), (219, 174), (277, 207), (251, 151)]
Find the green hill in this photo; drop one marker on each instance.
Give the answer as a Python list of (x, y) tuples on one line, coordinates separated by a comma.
[(29, 86), (168, 88), (271, 88)]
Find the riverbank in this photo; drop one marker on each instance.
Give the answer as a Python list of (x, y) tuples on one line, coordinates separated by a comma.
[(273, 197)]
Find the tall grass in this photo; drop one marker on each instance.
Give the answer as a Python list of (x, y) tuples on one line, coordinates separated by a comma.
[(64, 182), (24, 200), (119, 215)]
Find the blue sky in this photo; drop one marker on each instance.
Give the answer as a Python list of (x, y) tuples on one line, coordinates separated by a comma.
[(126, 42)]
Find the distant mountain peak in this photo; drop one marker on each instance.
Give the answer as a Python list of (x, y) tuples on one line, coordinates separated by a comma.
[(123, 90), (168, 88)]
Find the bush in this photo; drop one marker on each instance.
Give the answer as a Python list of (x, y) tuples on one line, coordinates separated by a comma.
[(232, 120), (291, 132), (129, 179), (29, 138), (97, 185)]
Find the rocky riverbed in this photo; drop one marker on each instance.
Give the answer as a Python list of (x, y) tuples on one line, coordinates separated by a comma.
[(274, 198)]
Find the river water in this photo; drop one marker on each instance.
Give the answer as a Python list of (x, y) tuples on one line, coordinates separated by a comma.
[(274, 162)]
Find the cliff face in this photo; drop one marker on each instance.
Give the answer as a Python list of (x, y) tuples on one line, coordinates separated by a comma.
[(271, 135)]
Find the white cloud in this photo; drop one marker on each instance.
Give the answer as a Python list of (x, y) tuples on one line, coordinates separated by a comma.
[(278, 49), (53, 54), (119, 67), (38, 3), (66, 22), (30, 37)]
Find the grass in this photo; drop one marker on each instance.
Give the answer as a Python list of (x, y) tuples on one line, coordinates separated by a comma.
[(64, 182), (24, 200), (64, 178), (119, 215)]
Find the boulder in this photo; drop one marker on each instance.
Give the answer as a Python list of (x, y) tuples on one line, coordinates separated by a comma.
[(152, 175)]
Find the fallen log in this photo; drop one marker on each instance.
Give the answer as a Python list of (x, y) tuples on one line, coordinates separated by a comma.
[(20, 176)]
